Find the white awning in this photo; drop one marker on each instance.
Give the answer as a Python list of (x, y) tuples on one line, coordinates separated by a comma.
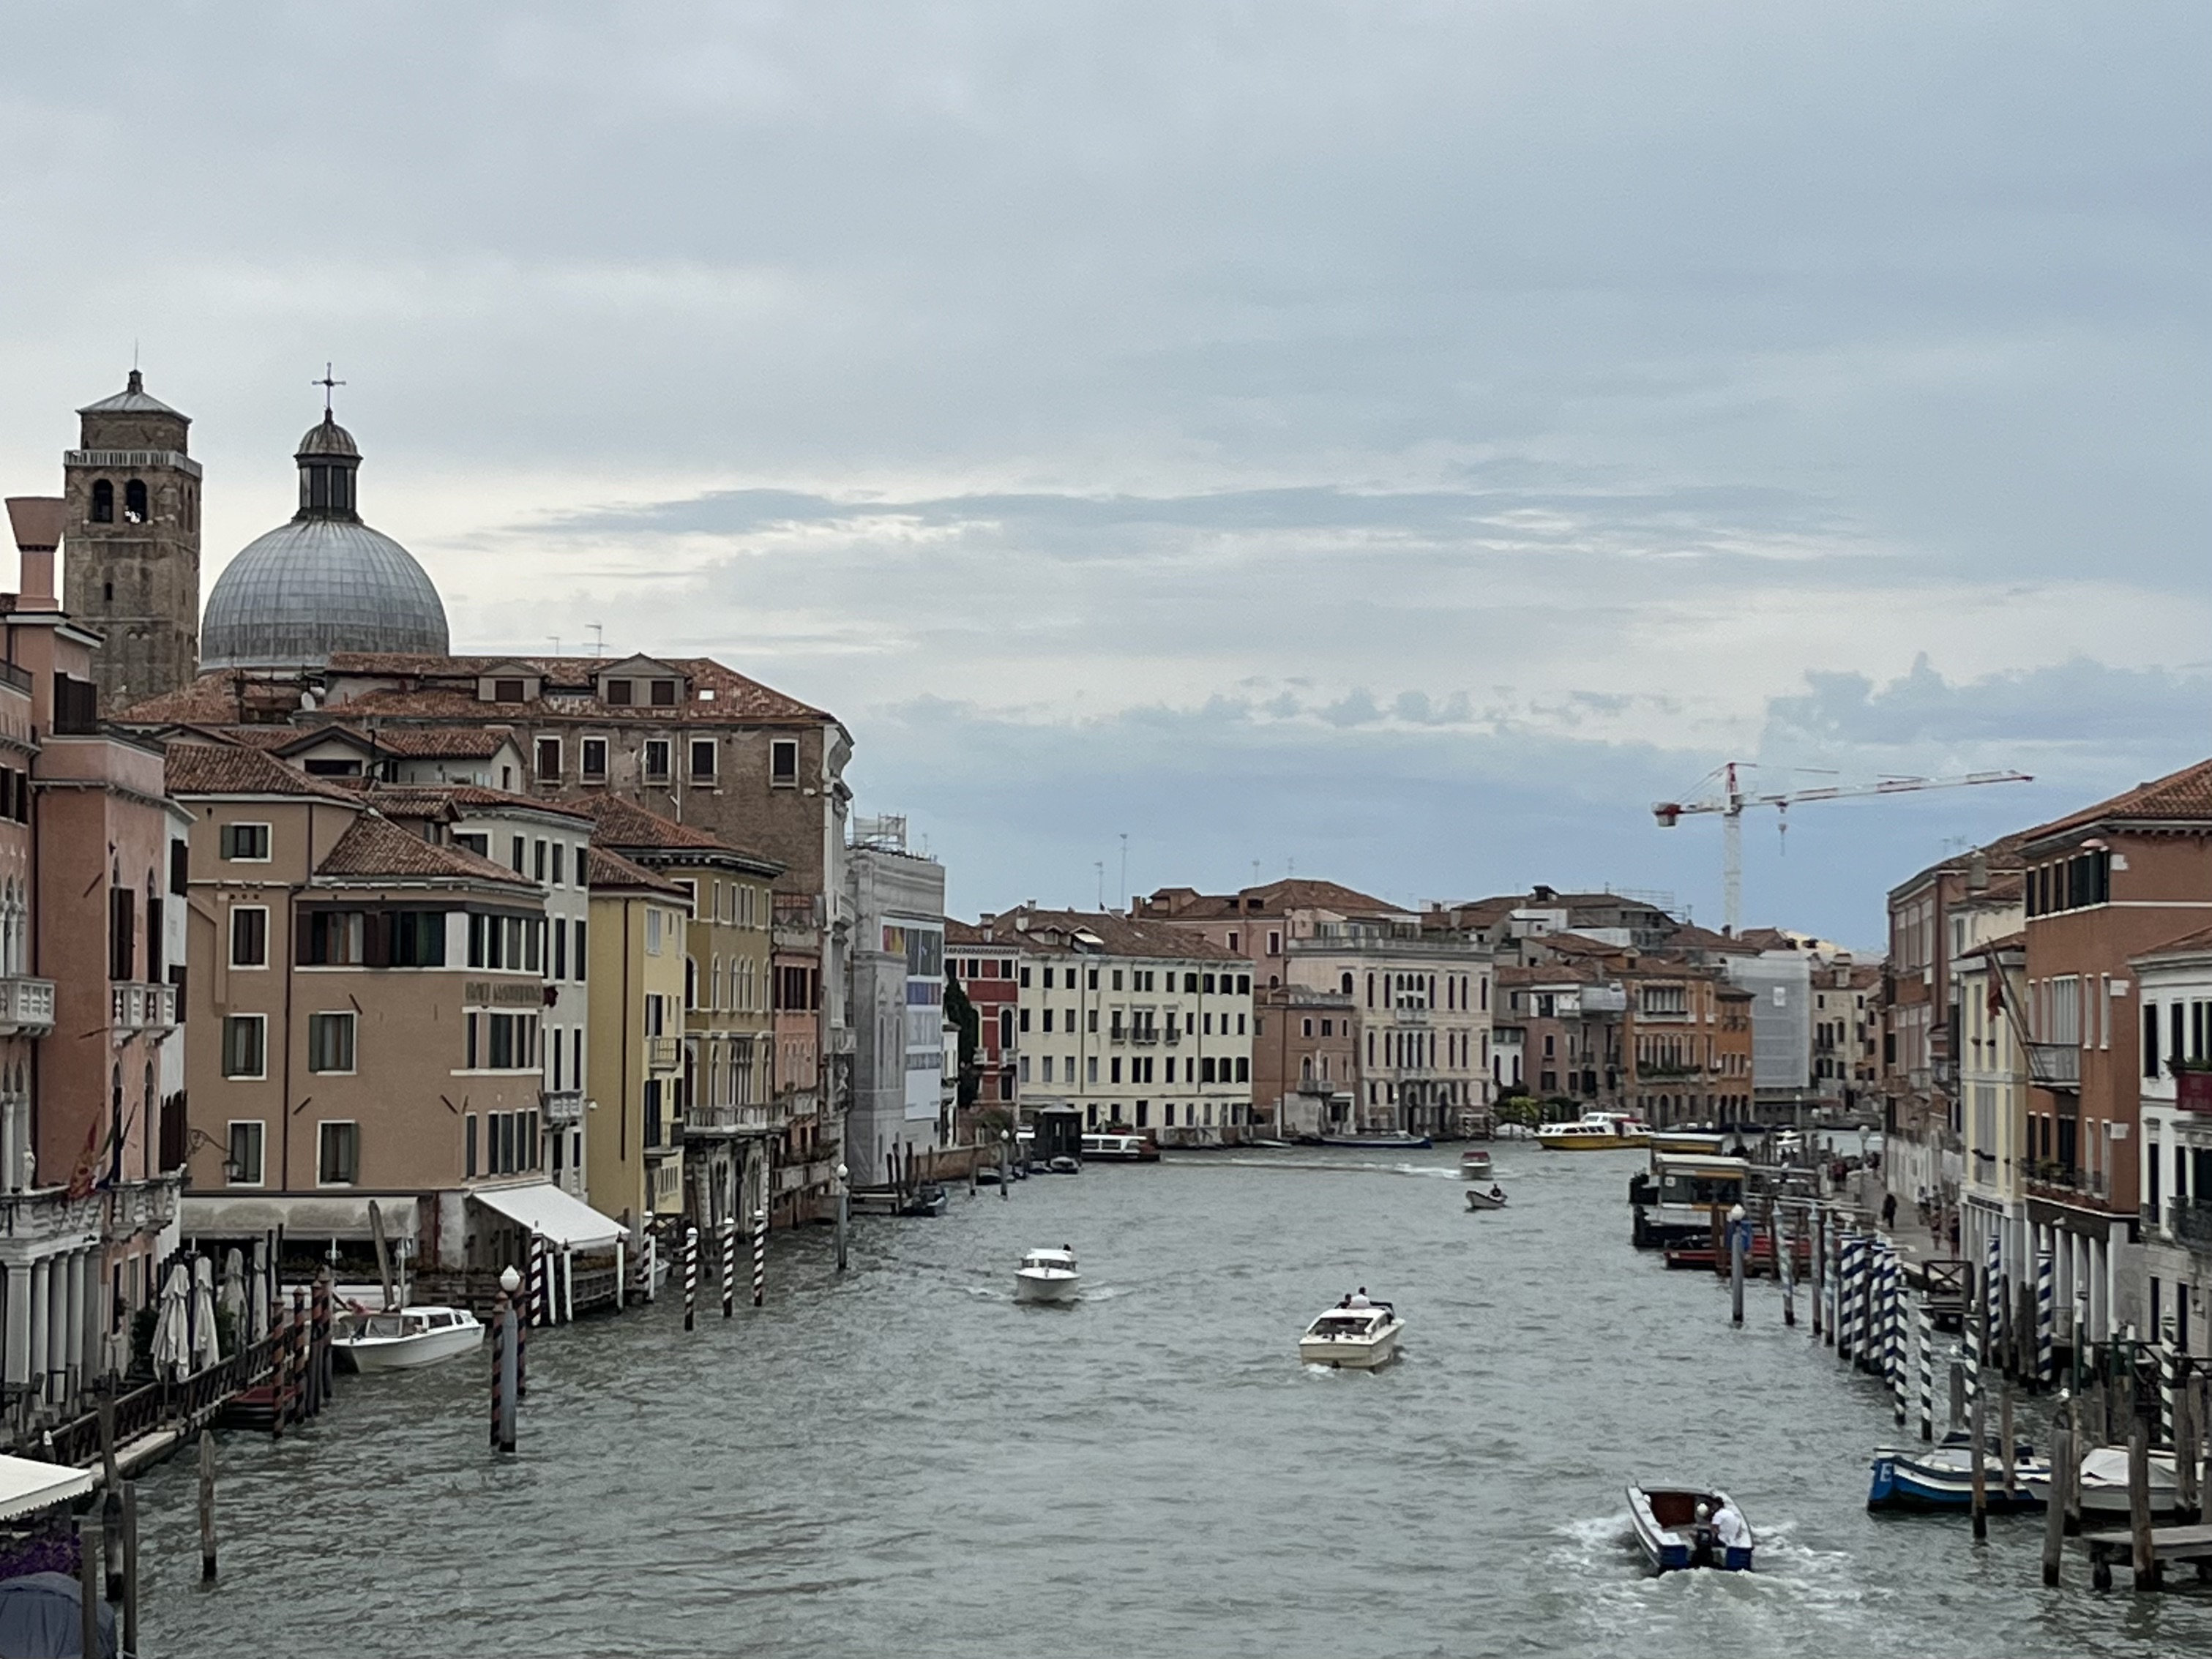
[(545, 1209), (27, 1485)]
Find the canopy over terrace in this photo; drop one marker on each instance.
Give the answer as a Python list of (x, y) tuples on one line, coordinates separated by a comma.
[(568, 1226)]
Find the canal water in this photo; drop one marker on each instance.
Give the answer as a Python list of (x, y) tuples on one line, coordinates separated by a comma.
[(900, 1460)]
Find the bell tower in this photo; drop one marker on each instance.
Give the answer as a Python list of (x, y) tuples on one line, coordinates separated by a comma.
[(131, 547)]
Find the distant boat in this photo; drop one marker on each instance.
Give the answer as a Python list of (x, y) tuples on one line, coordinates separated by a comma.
[(1119, 1149), (1047, 1276), (1395, 1140), (1594, 1131), (1062, 1164), (1673, 1538), (1480, 1198), (1475, 1164), (1359, 1338)]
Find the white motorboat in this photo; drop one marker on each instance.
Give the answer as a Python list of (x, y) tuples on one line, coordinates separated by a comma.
[(2104, 1482), (1492, 1198), (1047, 1276), (406, 1337), (1360, 1338), (1474, 1164)]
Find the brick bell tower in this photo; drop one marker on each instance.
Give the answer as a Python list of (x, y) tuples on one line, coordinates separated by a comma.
[(131, 549)]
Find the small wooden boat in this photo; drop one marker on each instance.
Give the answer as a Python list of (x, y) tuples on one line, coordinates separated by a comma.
[(1358, 1338), (1921, 1478), (1062, 1165), (1393, 1140), (1492, 1198), (1673, 1536), (1474, 1164)]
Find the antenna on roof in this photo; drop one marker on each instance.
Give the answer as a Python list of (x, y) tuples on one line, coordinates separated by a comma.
[(598, 639), (555, 638)]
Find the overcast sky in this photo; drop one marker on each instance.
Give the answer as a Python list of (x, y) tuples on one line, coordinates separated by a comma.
[(1398, 441)]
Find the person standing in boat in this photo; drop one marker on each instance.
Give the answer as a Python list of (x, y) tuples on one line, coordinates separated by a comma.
[(1359, 1298), (1729, 1530)]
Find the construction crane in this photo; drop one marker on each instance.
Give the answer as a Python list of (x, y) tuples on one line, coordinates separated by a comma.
[(1730, 800)]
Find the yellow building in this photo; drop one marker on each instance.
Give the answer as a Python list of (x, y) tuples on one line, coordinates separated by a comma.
[(634, 1145), (727, 1098)]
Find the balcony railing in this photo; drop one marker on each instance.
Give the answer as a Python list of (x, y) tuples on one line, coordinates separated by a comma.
[(2054, 1065), (728, 1119), (563, 1108), (2190, 1221), (1144, 1034), (664, 1054), (1173, 1034), (2062, 1184), (134, 1008), (27, 1007), (1117, 1033)]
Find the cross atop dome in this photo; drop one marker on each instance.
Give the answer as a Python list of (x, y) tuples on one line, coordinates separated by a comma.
[(328, 384)]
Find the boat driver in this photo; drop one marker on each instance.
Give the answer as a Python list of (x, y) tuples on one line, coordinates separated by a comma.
[(1359, 1298), (1729, 1529)]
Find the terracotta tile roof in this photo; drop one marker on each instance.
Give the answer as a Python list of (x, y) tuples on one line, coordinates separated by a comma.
[(735, 694), (410, 801), (2182, 797), (2189, 944), (374, 846), (612, 873), (625, 823), (1276, 898), (2003, 854), (218, 769), (243, 737), (415, 742), (1055, 931), (222, 696), (1550, 973), (971, 934)]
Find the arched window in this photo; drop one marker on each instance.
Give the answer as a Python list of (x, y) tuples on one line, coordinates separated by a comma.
[(1347, 985), (103, 502), (134, 501)]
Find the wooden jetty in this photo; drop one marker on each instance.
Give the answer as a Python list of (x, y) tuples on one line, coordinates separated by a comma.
[(2192, 1544)]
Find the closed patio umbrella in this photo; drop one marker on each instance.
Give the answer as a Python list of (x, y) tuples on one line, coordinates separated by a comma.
[(172, 1344), (207, 1348), (233, 1297)]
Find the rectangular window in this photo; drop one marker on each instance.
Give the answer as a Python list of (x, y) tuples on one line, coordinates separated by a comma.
[(579, 951), (652, 931), (560, 949), (246, 843), (245, 1141), (702, 760), (664, 693), (539, 862), (560, 863), (595, 758), (549, 760), (249, 936), (469, 1145), (514, 853), (418, 938), (656, 759), (338, 1154), (477, 843), (244, 1046), (329, 1042), (2150, 1067), (618, 693), (333, 939), (783, 763), (507, 691), (1243, 1070)]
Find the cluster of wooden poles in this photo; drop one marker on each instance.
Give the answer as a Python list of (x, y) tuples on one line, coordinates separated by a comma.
[(1860, 1306)]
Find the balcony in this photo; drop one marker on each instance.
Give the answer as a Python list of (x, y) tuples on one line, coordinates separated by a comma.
[(1117, 1033), (48, 1216), (2189, 1219), (135, 1009), (563, 1108), (1173, 1034), (27, 1007), (728, 1119), (664, 1054), (2055, 1065), (2059, 1183), (1144, 1035), (1323, 1086)]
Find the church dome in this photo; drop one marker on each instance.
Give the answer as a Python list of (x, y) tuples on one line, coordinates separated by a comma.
[(323, 583)]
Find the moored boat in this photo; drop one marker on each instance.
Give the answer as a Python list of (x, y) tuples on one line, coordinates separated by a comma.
[(1047, 1276), (1119, 1149), (1474, 1164), (1393, 1140), (404, 1338), (2104, 1482), (1358, 1338), (1941, 1477), (1490, 1198), (1682, 1527)]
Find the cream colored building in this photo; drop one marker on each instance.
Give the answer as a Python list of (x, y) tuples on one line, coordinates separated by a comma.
[(1137, 1026), (1986, 954), (633, 1147), (2174, 1036)]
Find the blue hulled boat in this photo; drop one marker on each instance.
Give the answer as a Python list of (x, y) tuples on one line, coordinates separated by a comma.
[(1672, 1536), (1941, 1477)]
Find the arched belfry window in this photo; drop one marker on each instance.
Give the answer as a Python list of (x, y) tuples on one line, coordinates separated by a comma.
[(103, 502), (134, 501)]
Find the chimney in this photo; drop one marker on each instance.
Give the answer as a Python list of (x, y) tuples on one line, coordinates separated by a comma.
[(38, 521), (1977, 872)]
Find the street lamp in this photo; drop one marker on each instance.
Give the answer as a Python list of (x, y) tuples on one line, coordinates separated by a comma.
[(510, 1281)]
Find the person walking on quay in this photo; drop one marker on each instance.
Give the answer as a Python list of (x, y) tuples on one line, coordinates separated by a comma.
[(1889, 1212)]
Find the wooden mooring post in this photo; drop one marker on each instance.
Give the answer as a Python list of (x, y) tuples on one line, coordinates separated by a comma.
[(2145, 1561), (2004, 1437), (1736, 1228), (2062, 1463), (128, 1647), (1977, 1427), (1783, 1224), (1816, 1224), (87, 1591), (206, 1506), (844, 1210)]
